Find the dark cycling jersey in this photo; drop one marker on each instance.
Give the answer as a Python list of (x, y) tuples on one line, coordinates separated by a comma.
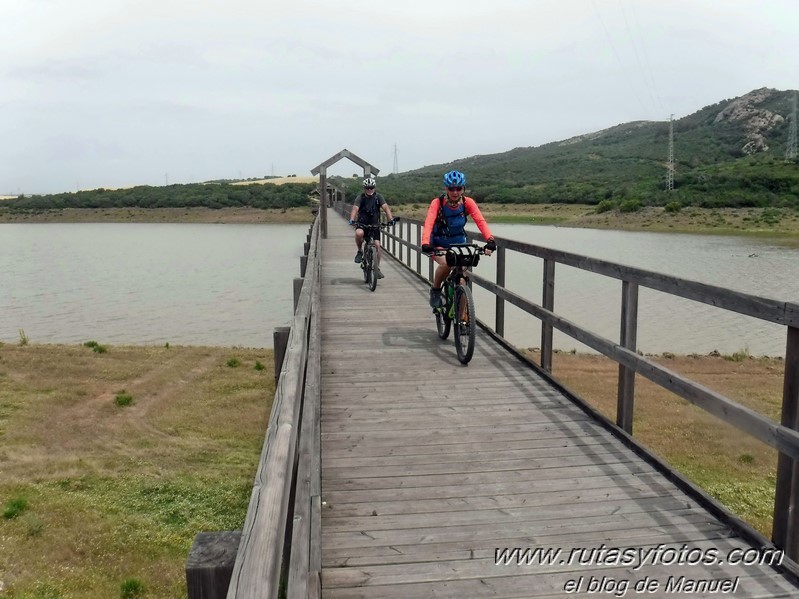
[(369, 208)]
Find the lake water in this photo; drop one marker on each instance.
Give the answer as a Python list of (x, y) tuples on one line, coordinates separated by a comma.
[(183, 284), (665, 323), (226, 285)]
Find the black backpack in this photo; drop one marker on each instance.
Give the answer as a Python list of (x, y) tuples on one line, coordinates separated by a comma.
[(370, 206)]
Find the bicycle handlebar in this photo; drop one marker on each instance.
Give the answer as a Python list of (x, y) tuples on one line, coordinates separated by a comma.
[(390, 223)]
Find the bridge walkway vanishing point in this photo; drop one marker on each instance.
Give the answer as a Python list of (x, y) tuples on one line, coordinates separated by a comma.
[(428, 467)]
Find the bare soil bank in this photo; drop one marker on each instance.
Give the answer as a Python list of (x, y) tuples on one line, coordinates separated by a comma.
[(767, 222)]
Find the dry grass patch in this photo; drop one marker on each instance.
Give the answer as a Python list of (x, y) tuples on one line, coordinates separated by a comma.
[(114, 495), (736, 469)]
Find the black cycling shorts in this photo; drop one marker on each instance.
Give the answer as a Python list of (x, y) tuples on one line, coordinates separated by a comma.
[(369, 233)]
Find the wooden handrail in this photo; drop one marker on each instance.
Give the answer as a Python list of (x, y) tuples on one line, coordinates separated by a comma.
[(259, 562)]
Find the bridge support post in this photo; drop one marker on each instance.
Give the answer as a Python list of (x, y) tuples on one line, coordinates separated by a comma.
[(625, 401), (785, 531), (210, 564), (303, 265)]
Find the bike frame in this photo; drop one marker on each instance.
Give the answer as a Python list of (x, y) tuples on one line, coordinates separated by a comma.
[(369, 263), (458, 309)]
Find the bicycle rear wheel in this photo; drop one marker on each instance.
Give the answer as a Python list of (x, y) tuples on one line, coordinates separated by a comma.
[(371, 268), (465, 323)]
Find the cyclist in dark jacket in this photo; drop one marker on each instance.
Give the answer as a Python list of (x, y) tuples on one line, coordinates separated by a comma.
[(444, 226), (366, 211)]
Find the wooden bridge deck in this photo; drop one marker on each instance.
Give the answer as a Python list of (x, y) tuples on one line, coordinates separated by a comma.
[(429, 466)]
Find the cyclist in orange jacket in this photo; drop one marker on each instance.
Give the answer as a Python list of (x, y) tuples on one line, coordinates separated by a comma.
[(444, 226)]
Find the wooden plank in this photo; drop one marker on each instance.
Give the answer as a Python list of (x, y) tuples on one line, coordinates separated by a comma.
[(552, 528), (424, 482), (683, 533), (546, 490), (588, 507)]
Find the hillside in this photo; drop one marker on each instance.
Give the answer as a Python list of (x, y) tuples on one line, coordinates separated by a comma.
[(728, 154)]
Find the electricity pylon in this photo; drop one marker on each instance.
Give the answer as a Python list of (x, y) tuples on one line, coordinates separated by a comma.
[(790, 150), (670, 165)]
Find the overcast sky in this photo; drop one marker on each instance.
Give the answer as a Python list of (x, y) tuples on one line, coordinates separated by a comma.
[(106, 93)]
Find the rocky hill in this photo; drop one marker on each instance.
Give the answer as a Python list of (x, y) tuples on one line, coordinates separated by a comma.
[(727, 154)]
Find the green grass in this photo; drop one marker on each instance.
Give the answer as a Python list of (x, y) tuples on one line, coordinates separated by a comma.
[(116, 497)]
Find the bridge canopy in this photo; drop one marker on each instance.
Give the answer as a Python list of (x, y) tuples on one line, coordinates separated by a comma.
[(368, 169)]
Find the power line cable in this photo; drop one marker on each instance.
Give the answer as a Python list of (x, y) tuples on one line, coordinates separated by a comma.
[(645, 68), (618, 60)]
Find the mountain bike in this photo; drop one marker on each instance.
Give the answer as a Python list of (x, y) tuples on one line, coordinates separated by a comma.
[(369, 261), (458, 308)]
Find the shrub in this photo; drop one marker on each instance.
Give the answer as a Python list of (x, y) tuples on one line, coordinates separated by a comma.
[(605, 206), (131, 588), (15, 507), (673, 207), (259, 366), (234, 362), (630, 206), (123, 398)]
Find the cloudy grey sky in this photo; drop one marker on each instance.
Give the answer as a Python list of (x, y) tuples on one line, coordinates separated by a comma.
[(106, 93)]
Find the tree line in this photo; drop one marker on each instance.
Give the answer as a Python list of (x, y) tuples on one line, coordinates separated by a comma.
[(195, 195)]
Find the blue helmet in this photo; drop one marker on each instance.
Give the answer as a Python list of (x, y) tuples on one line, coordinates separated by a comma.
[(455, 179)]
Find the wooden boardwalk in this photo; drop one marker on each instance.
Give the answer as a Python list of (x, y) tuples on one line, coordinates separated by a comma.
[(429, 467)]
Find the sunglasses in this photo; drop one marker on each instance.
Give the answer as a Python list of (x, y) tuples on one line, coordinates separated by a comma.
[(458, 188), (369, 187)]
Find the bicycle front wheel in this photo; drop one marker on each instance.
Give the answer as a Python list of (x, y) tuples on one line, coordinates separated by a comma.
[(443, 324), (371, 268), (465, 323)]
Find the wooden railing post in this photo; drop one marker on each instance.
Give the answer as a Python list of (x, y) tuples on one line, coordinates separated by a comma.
[(419, 243), (409, 242), (297, 290), (323, 202), (210, 564), (548, 303), (499, 323), (280, 340), (625, 403), (785, 531)]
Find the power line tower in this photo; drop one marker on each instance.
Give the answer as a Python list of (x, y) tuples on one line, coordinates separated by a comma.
[(396, 163), (670, 165), (790, 150)]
